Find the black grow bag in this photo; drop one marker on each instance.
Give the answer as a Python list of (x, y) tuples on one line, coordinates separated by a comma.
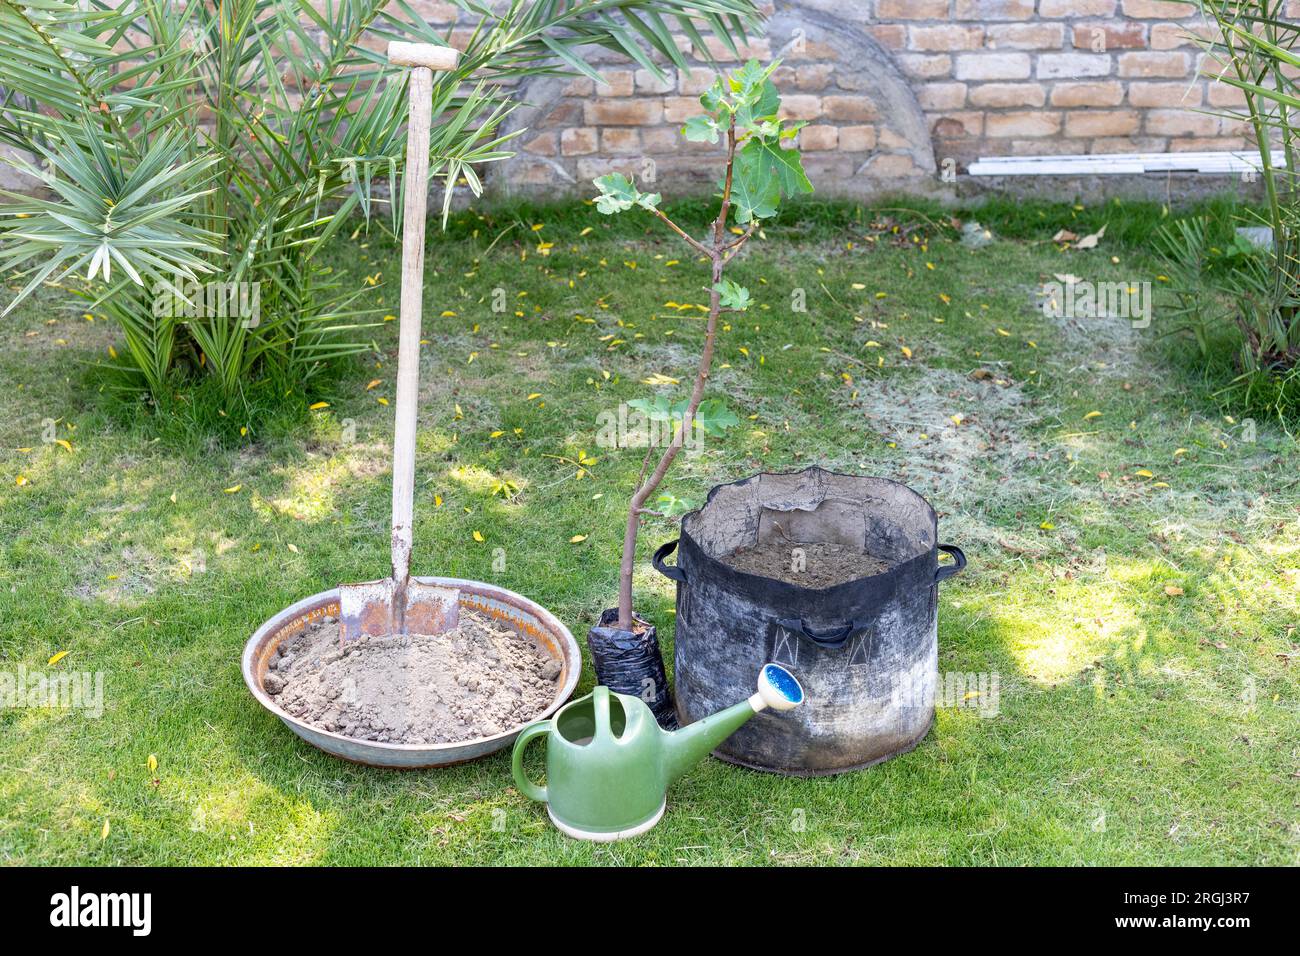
[(630, 662), (866, 651)]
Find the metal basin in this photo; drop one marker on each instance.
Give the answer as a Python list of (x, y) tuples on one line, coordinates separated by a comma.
[(507, 607)]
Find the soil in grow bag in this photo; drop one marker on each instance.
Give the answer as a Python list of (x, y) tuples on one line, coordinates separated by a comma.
[(808, 564), (478, 680)]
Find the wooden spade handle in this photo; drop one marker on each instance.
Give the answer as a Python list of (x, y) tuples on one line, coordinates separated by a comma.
[(422, 54), (424, 58)]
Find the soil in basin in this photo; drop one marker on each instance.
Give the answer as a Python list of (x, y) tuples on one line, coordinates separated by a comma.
[(478, 680)]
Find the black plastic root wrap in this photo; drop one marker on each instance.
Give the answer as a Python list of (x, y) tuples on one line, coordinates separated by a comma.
[(630, 663)]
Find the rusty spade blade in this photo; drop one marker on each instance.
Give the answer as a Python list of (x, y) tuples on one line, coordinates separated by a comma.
[(401, 604), (377, 608)]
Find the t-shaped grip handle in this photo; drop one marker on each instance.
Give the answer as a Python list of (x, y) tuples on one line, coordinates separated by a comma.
[(401, 53)]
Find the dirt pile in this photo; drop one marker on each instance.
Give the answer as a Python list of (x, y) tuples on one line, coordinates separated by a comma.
[(476, 681), (820, 565)]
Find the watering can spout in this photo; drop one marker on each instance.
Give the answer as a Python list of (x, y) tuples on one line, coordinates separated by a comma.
[(683, 749)]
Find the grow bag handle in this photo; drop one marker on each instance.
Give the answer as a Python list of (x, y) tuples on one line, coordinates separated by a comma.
[(948, 570), (827, 637), (668, 570)]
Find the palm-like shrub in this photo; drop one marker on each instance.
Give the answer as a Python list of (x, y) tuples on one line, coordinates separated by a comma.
[(1237, 293), (229, 139)]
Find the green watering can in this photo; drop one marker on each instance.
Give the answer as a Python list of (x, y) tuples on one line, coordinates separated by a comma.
[(609, 764)]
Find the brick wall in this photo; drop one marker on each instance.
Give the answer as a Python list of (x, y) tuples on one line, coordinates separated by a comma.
[(894, 92), (893, 88), (1003, 77)]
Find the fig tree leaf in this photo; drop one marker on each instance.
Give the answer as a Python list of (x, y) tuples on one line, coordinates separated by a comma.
[(657, 409), (701, 129), (784, 164), (748, 82), (715, 417), (714, 98), (617, 194), (766, 103), (732, 295), (671, 505), (754, 191)]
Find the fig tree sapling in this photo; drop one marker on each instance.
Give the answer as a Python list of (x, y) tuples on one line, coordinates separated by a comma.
[(763, 167)]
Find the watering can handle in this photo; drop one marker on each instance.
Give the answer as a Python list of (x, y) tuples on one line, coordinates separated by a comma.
[(527, 735), (948, 570), (667, 570)]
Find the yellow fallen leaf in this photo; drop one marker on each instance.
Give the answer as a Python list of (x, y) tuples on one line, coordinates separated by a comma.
[(577, 537), (112, 352), (63, 443), (1179, 451), (381, 400), (373, 382), (172, 497), (448, 314), (232, 489), (152, 763), (1092, 415), (437, 501), (478, 537), (1144, 473), (1047, 526), (957, 419), (293, 548), (22, 480), (496, 434), (57, 657), (1173, 590), (586, 232), (103, 834), (318, 406), (1003, 332), (907, 353), (533, 396)]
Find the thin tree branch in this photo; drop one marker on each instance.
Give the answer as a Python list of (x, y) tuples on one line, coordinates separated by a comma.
[(684, 234)]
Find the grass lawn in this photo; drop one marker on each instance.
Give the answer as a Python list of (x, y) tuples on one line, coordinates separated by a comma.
[(1134, 575)]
